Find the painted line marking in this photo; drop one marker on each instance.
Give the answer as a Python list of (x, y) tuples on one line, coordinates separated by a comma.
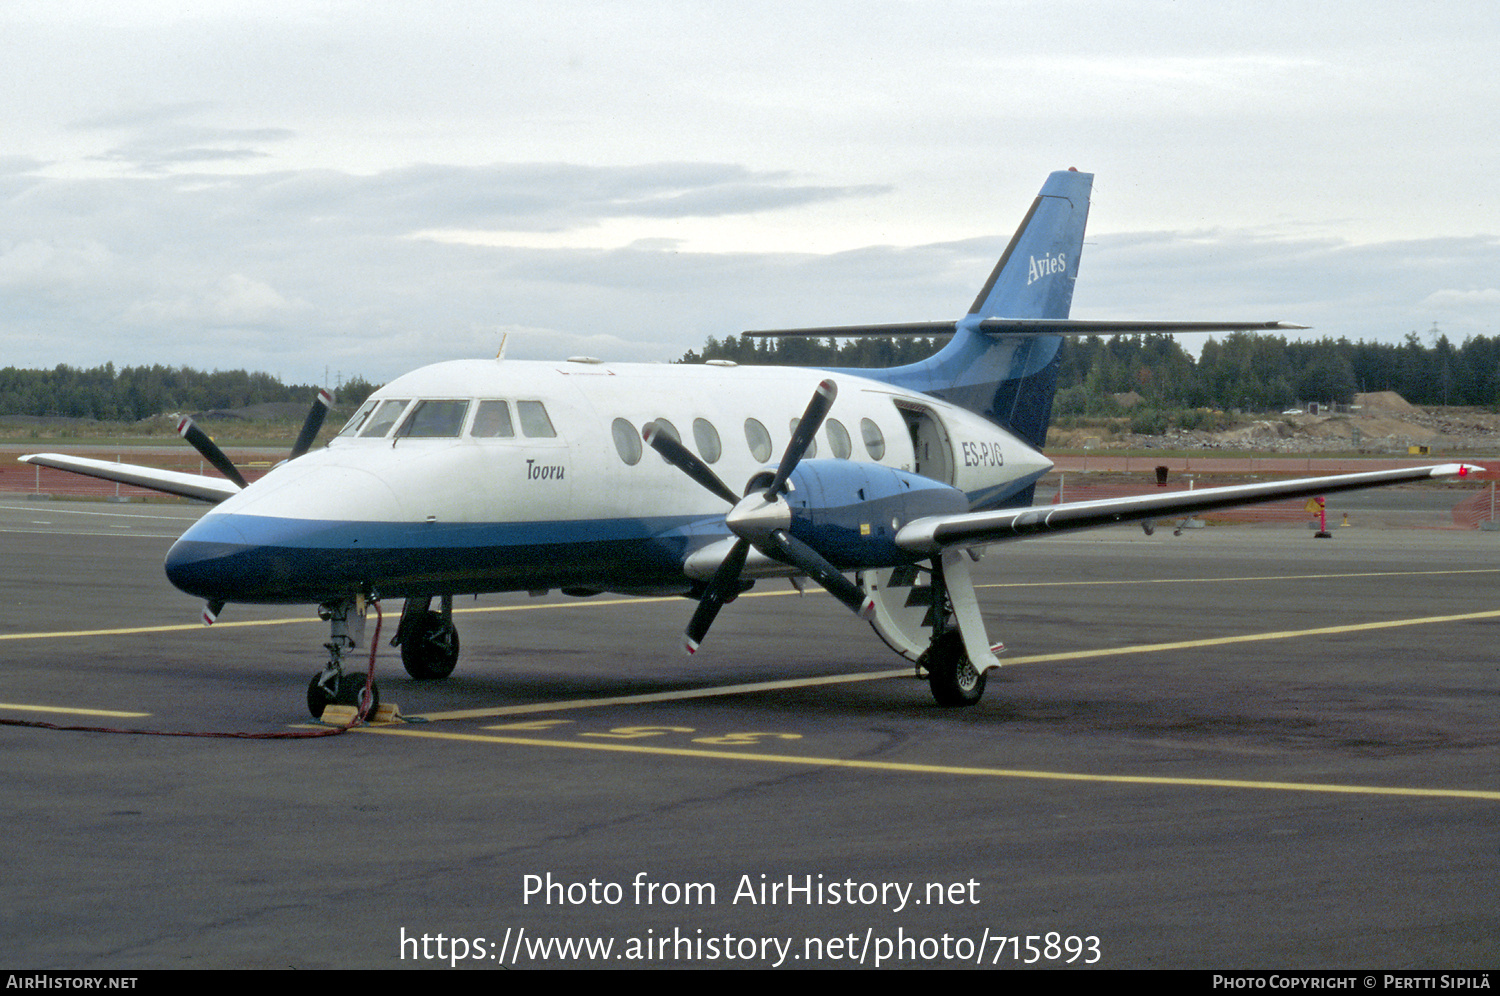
[(1286, 634), (1269, 577), (941, 769), (673, 696), (17, 707), (107, 515), (585, 603), (1067, 655)]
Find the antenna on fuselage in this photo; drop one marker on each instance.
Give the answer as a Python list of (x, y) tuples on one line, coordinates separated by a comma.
[(500, 353)]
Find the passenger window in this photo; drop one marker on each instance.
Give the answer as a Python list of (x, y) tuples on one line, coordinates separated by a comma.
[(759, 440), (492, 420), (838, 439), (707, 438), (352, 426), (874, 439), (435, 420), (385, 416), (812, 446), (627, 442), (534, 421)]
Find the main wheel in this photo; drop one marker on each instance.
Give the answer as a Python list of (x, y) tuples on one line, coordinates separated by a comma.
[(431, 650), (351, 688), (954, 681)]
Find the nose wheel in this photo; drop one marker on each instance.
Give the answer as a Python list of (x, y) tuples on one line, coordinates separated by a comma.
[(341, 689)]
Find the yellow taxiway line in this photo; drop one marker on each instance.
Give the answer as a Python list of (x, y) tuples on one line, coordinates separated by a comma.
[(1067, 655), (945, 769), (18, 707)]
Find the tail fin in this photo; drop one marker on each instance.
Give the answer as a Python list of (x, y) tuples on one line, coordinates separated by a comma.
[(1035, 275), (1010, 378)]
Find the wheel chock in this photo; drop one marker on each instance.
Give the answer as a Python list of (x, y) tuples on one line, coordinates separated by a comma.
[(338, 715), (343, 715)]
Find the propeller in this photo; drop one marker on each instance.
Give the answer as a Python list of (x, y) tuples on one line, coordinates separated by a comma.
[(188, 429), (310, 425), (209, 450), (761, 519)]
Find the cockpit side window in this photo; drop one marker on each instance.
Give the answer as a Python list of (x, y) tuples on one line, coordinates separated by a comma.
[(492, 420), (435, 420), (352, 426), (534, 421), (385, 416)]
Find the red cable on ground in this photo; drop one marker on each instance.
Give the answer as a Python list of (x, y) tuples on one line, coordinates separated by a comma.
[(331, 731)]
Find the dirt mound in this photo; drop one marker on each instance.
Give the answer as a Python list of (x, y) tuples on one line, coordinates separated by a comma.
[(1383, 401)]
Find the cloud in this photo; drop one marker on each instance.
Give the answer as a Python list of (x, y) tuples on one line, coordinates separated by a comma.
[(1446, 298), (297, 270), (162, 136)]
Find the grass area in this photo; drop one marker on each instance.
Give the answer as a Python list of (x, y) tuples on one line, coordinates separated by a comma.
[(228, 433)]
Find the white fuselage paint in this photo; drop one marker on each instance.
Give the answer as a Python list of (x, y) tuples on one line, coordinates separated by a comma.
[(578, 475)]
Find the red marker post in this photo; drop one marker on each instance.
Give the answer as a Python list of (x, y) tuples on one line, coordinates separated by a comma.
[(1319, 505)]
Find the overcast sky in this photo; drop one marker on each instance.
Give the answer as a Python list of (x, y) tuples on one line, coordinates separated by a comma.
[(368, 186)]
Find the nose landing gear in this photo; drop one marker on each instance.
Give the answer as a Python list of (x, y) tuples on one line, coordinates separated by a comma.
[(333, 685)]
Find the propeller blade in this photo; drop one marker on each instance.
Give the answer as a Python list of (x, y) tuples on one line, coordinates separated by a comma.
[(314, 421), (687, 461), (789, 549), (807, 428), (724, 586), (209, 450)]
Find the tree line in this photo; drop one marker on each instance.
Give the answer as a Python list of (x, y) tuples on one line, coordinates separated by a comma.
[(1245, 371), (134, 393)]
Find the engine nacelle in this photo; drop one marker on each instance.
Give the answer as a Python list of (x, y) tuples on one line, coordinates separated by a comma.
[(850, 512)]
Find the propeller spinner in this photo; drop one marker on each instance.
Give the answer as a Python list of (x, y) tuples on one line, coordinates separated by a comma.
[(761, 519)]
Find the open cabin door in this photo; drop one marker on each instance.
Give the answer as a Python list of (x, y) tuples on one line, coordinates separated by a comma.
[(932, 449)]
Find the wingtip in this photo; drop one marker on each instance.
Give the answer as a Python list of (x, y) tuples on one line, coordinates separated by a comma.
[(1457, 470)]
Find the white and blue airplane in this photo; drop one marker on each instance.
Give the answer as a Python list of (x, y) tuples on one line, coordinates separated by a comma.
[(479, 476)]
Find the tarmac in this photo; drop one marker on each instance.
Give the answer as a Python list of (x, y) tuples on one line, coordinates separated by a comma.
[(1235, 748)]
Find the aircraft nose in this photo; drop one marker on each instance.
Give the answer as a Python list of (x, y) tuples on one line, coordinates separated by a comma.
[(290, 537), (207, 559)]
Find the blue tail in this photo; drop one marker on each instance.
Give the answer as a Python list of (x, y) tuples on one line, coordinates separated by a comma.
[(1010, 377)]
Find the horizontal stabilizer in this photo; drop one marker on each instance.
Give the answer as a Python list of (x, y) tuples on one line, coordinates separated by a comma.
[(938, 533), (170, 482), (1032, 326)]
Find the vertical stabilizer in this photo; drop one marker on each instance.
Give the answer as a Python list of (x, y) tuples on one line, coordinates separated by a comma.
[(1036, 273), (1010, 378)]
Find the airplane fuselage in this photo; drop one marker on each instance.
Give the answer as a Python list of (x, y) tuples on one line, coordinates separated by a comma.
[(499, 475)]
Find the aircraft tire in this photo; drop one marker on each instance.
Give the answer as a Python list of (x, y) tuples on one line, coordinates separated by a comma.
[(953, 680), (351, 686), (431, 652)]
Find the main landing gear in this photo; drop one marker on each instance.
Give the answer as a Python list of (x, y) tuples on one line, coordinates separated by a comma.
[(952, 678), (937, 624), (428, 640)]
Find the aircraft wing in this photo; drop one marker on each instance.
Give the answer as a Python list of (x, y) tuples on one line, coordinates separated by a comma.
[(171, 482), (938, 533)]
